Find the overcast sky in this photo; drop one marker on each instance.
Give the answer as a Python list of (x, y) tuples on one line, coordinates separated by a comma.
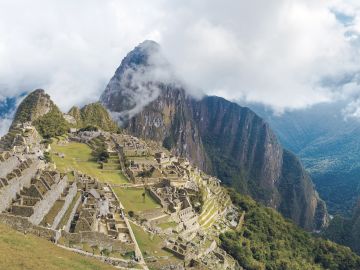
[(286, 54)]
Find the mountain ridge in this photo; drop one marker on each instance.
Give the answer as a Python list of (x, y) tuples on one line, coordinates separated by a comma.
[(253, 163)]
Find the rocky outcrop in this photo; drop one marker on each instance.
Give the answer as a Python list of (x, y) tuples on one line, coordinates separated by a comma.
[(221, 137)]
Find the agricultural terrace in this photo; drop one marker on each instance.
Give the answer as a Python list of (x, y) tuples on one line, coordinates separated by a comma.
[(151, 246), (133, 199), (77, 156)]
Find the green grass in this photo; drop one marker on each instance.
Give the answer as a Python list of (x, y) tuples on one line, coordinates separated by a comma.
[(132, 199), (166, 225), (78, 157), (150, 244), (19, 252), (49, 218)]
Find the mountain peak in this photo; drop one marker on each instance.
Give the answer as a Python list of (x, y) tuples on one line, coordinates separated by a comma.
[(35, 105), (137, 81), (149, 45), (141, 55)]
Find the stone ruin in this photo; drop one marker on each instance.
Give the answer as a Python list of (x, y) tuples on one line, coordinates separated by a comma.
[(175, 202), (132, 146), (22, 138), (35, 201), (99, 212)]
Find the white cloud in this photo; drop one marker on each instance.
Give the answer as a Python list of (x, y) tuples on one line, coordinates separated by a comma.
[(275, 52)]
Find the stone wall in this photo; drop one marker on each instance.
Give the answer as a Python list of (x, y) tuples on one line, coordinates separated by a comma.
[(22, 210), (8, 165), (69, 198), (155, 196), (8, 193), (23, 225), (99, 239), (44, 206), (72, 214)]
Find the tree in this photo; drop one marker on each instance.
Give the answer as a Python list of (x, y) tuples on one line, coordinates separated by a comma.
[(105, 252), (47, 157), (94, 247)]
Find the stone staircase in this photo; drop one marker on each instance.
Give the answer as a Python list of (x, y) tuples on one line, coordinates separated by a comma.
[(112, 163), (9, 140)]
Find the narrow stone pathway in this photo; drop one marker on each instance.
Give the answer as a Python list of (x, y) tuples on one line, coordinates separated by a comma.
[(138, 252)]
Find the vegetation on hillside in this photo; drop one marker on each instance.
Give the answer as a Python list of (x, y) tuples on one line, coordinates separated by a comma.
[(78, 156), (51, 124), (346, 231), (93, 115), (30, 106), (268, 241)]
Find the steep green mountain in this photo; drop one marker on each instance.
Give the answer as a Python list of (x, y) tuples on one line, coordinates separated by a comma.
[(41, 111), (328, 145), (35, 105), (219, 136), (93, 114), (268, 241)]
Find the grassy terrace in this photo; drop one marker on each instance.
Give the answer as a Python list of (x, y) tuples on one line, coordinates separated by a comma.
[(148, 243), (78, 157), (166, 225), (132, 199), (49, 218), (151, 245), (66, 216), (19, 251)]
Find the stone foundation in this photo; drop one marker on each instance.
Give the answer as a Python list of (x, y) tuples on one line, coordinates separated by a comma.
[(99, 239)]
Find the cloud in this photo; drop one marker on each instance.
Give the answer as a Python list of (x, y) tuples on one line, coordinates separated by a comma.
[(277, 53), (281, 53)]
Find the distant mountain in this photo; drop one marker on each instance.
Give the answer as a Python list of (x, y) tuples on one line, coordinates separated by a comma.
[(7, 107), (346, 231), (329, 147), (219, 136)]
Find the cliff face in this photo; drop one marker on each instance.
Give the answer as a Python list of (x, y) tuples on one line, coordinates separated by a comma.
[(220, 137), (168, 119), (242, 149)]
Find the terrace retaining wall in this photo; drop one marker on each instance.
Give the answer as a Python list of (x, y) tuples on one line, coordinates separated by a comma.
[(23, 225), (99, 239), (44, 206), (69, 198), (8, 193)]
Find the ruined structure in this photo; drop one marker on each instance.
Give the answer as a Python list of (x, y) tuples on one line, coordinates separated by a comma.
[(83, 212)]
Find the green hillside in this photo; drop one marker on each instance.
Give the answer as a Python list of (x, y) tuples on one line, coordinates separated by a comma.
[(268, 241), (19, 251), (93, 114)]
